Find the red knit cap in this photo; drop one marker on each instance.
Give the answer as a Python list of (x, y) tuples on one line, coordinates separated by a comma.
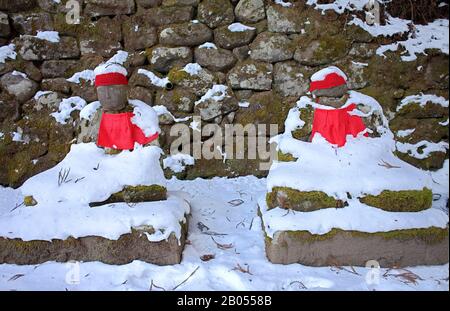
[(110, 74), (327, 78)]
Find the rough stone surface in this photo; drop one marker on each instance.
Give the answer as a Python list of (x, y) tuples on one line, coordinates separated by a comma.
[(251, 75), (284, 20), (271, 48), (290, 79), (343, 248), (5, 28), (187, 34), (17, 5), (250, 11), (34, 49), (163, 58), (215, 59), (199, 83), (20, 87), (176, 100), (128, 248), (215, 13), (229, 40), (138, 33), (169, 15), (58, 68), (109, 7), (30, 23)]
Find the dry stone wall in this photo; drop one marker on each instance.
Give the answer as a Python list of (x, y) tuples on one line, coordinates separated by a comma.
[(264, 52)]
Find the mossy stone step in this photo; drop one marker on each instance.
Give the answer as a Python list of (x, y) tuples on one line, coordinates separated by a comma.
[(135, 194), (401, 201), (128, 248), (401, 248), (309, 201), (302, 201)]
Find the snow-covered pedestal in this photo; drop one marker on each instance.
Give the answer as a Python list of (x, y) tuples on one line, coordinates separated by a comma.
[(347, 206), (139, 221)]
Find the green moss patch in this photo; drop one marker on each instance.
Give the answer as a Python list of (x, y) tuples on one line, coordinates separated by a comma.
[(401, 201), (430, 236), (302, 201), (136, 194)]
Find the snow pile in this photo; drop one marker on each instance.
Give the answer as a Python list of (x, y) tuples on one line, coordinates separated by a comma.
[(88, 175), (355, 217), (51, 36), (283, 4), (193, 69), (177, 163), (7, 51), (20, 74), (422, 100), (39, 94), (217, 93), (238, 27), (208, 45), (66, 107), (340, 6), (89, 110), (393, 26), (359, 168), (422, 149), (72, 219), (86, 75), (435, 35), (162, 110), (145, 117), (154, 79)]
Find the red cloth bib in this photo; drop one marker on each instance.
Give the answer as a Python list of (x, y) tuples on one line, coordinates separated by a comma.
[(335, 124), (118, 132)]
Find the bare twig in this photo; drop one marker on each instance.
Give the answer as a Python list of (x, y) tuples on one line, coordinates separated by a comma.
[(405, 276), (201, 226), (223, 246), (236, 202), (15, 277), (16, 207), (387, 165), (79, 179), (187, 278), (241, 269), (156, 286), (63, 176), (300, 284)]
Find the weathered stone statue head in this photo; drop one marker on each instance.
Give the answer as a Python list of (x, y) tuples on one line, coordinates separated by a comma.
[(329, 87), (113, 98), (112, 87)]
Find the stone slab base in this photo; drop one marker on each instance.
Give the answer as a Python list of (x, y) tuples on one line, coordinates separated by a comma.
[(129, 247), (403, 248)]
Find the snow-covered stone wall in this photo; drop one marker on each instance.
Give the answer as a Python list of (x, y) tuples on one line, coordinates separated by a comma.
[(264, 51)]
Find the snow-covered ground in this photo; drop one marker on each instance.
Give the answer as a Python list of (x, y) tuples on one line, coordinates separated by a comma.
[(224, 210)]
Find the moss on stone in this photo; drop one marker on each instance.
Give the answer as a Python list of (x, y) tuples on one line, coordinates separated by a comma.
[(29, 201), (401, 201), (430, 236), (304, 201), (433, 162), (136, 194), (286, 157), (306, 115), (331, 48), (176, 75)]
